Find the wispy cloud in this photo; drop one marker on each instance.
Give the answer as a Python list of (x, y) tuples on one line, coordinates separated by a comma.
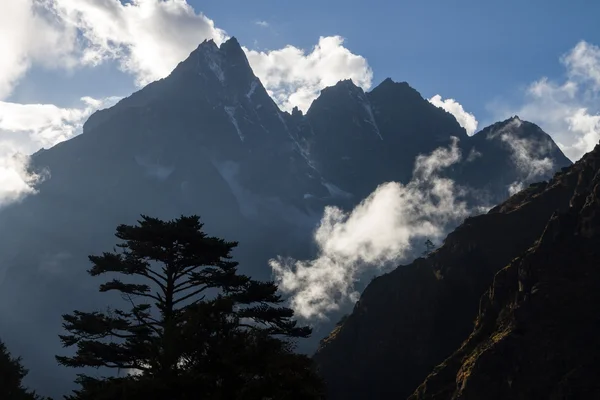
[(263, 24), (16, 181), (147, 38), (569, 110), (380, 231), (465, 119), (294, 78), (28, 35), (530, 158), (24, 129)]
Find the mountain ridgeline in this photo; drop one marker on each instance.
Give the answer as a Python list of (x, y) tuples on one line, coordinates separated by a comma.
[(209, 140), (507, 308)]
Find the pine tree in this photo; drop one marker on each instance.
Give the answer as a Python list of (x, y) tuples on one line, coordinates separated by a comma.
[(12, 373), (429, 247), (194, 325)]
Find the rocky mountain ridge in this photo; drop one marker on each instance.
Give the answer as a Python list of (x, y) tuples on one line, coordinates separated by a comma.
[(536, 332), (209, 140), (533, 318)]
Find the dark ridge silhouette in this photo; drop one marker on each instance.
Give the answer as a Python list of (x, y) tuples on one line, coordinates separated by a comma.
[(209, 140)]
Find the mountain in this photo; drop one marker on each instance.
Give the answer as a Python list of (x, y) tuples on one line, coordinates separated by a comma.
[(209, 140), (527, 324), (536, 332)]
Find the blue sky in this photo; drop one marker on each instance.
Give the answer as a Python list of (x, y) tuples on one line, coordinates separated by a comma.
[(470, 50), (538, 59)]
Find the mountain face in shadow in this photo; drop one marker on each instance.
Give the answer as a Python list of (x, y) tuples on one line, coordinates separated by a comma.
[(209, 140), (536, 332), (524, 272)]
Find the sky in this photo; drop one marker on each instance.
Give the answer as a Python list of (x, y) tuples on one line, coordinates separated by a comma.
[(482, 61)]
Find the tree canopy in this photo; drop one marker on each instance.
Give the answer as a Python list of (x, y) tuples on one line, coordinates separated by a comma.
[(12, 373), (194, 327)]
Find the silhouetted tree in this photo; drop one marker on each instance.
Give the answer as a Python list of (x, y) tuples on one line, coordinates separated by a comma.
[(195, 328), (429, 247), (12, 373)]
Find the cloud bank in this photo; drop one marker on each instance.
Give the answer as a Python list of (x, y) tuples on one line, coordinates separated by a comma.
[(465, 119), (28, 35), (148, 38), (24, 129), (381, 230), (568, 110), (294, 78), (16, 181), (530, 156)]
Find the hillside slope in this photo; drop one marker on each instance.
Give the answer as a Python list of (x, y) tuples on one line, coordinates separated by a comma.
[(536, 333), (409, 320), (209, 140)]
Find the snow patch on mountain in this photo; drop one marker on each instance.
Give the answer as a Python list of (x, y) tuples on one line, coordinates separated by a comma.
[(257, 207), (231, 113), (213, 60), (371, 120), (303, 150), (253, 87)]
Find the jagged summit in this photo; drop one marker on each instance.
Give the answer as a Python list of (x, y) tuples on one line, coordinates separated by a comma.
[(391, 92), (231, 42), (388, 84), (514, 126), (206, 43), (344, 86), (209, 140)]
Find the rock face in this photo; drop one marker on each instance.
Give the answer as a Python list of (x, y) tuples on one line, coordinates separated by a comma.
[(408, 321), (536, 333), (209, 140)]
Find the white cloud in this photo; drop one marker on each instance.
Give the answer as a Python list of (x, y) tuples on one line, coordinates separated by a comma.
[(379, 231), (147, 37), (569, 110), (295, 78), (530, 156), (583, 63), (530, 159), (44, 125), (263, 24), (15, 180), (515, 187), (24, 129), (28, 35), (465, 119)]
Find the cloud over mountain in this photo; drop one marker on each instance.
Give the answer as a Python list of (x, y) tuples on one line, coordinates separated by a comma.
[(380, 231), (147, 39), (25, 128), (569, 110), (464, 118)]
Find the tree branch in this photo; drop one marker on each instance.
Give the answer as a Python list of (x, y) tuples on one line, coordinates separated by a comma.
[(141, 321), (187, 296), (180, 288), (155, 280)]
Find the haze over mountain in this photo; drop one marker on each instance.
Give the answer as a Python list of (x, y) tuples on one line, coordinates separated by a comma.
[(209, 140)]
